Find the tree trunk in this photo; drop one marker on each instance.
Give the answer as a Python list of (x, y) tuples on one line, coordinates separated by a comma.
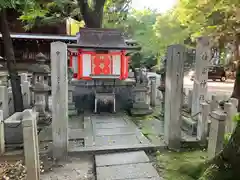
[(236, 89), (11, 64), (92, 17)]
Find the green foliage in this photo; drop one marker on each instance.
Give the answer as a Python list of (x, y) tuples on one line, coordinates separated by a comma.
[(227, 138), (218, 18), (170, 31), (59, 10), (236, 118), (138, 25)]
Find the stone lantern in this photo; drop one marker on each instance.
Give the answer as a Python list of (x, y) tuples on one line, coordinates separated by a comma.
[(141, 105), (40, 89)]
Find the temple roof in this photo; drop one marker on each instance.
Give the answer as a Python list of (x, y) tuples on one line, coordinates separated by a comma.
[(103, 39)]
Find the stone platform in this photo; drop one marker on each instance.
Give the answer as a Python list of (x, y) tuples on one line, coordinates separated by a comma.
[(99, 133)]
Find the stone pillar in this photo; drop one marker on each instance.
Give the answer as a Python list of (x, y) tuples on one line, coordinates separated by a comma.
[(202, 126), (2, 135), (31, 148), (203, 57), (71, 105), (173, 95), (59, 80), (214, 103), (26, 94), (153, 92), (4, 101), (216, 135)]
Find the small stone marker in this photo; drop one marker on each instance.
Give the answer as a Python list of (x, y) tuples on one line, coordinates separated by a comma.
[(216, 135), (31, 148), (173, 96)]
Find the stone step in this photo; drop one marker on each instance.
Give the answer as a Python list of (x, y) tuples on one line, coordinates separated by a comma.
[(125, 165), (142, 105), (189, 125), (73, 112)]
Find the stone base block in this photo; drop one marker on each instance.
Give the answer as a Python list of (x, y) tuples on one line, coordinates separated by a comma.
[(189, 125), (141, 112), (13, 132)]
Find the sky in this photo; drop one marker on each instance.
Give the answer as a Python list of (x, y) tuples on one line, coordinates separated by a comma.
[(160, 5)]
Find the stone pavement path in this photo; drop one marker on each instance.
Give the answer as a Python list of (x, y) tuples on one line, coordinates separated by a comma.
[(111, 132), (125, 166)]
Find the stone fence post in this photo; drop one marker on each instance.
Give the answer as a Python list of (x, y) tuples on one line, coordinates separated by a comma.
[(230, 109), (31, 147), (217, 131), (214, 103), (2, 137), (202, 126), (153, 92)]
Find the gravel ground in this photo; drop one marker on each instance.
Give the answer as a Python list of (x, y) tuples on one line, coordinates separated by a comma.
[(76, 168)]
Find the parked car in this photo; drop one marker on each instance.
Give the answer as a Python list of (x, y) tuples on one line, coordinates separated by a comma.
[(214, 73)]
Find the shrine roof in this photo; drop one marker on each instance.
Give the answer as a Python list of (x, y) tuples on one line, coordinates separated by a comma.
[(42, 37), (103, 39)]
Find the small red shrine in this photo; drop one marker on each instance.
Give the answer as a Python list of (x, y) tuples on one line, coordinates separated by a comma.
[(101, 55)]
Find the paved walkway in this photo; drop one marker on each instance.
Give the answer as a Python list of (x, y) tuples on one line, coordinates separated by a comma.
[(107, 133), (125, 166)]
